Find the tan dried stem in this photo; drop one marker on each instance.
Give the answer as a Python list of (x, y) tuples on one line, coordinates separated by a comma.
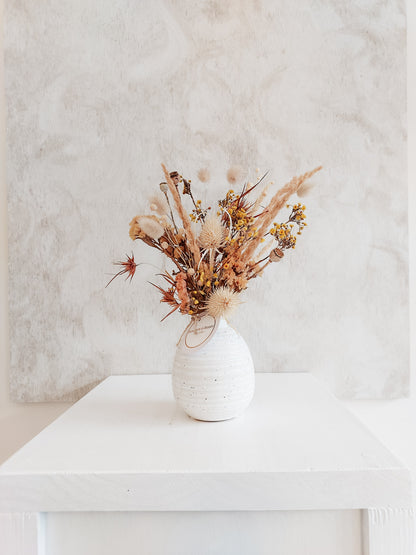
[(193, 245)]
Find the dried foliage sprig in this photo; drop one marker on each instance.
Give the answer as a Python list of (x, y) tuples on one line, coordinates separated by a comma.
[(214, 264)]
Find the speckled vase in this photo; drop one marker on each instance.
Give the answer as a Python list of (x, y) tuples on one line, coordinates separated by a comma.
[(216, 380)]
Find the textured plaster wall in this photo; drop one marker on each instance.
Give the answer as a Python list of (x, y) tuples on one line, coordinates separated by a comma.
[(99, 93)]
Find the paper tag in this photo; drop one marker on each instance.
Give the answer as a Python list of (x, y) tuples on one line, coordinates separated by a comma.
[(200, 331)]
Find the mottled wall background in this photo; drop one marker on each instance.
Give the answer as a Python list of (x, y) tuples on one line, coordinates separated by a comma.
[(99, 93)]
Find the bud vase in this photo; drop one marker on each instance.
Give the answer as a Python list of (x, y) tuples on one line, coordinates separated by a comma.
[(213, 372)]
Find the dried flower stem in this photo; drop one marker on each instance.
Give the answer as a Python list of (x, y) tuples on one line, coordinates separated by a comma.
[(276, 203), (171, 213), (193, 246)]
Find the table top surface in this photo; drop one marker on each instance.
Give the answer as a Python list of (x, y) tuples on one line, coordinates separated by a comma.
[(131, 425)]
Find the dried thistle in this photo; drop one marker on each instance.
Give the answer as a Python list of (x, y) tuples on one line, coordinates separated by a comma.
[(212, 233), (222, 302)]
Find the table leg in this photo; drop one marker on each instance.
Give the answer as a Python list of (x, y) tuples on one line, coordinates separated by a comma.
[(21, 534), (388, 531)]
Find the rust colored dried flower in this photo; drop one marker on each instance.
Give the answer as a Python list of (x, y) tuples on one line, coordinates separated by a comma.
[(182, 291), (128, 267)]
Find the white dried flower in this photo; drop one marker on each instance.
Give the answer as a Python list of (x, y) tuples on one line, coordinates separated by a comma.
[(305, 188), (159, 205), (164, 245), (150, 226), (212, 233), (164, 187), (203, 175), (222, 302), (235, 174)]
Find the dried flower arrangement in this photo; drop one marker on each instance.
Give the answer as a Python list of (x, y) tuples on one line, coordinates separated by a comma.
[(215, 255)]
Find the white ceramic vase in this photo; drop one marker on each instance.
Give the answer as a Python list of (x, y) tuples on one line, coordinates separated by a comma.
[(214, 381)]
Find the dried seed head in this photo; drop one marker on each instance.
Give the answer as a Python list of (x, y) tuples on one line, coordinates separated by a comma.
[(276, 255), (235, 174), (175, 177), (222, 302), (212, 233), (164, 187), (204, 175)]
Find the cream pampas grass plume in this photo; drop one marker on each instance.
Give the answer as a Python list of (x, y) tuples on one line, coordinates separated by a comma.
[(212, 233), (159, 205), (150, 226), (304, 189), (222, 302)]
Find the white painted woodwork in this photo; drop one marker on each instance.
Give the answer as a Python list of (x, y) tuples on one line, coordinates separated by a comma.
[(127, 447), (388, 531), (22, 534), (201, 533)]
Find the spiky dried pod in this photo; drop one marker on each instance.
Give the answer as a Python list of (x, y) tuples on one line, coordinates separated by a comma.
[(222, 302), (212, 233)]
